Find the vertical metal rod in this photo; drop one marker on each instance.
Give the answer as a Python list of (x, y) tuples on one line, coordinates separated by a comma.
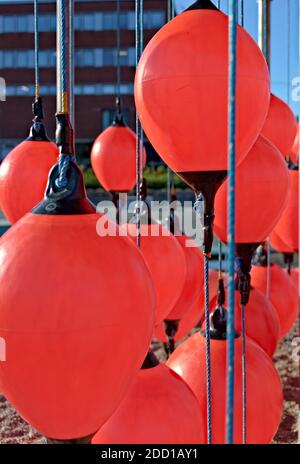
[(138, 51), (268, 287), (231, 217), (118, 51), (220, 258), (36, 49), (71, 63), (264, 28), (289, 52), (170, 173)]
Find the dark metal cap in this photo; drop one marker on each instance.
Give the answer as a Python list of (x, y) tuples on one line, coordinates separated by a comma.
[(70, 200), (202, 5)]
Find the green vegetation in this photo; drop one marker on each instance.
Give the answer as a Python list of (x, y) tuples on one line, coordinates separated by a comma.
[(156, 178)]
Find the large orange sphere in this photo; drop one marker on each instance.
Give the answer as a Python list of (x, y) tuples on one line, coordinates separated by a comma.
[(69, 303), (113, 158), (283, 294), (287, 227), (262, 184), (159, 408), (264, 393), (280, 125), (261, 320), (193, 285), (23, 177), (165, 259), (181, 90)]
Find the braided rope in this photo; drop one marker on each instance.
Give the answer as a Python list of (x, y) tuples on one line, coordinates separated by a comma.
[(207, 351), (36, 49), (198, 207), (63, 166), (244, 375), (231, 218), (63, 55)]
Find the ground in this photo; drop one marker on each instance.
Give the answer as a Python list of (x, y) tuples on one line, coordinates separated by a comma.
[(14, 430)]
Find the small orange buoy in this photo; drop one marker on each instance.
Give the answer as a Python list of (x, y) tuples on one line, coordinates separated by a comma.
[(283, 294), (181, 88), (113, 157), (280, 125), (159, 408), (23, 177), (165, 259), (264, 393)]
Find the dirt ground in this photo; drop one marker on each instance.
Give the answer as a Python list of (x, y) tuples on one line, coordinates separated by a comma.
[(13, 430)]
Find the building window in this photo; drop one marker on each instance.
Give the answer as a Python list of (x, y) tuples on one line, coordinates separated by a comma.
[(80, 89), (97, 21)]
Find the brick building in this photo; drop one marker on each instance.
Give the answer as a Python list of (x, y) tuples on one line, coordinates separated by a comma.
[(95, 60)]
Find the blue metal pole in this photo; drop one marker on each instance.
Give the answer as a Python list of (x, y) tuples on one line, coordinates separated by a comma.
[(231, 217), (139, 4)]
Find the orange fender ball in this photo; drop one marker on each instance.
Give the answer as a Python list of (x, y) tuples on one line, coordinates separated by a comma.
[(287, 227), (181, 89), (23, 177), (262, 185), (194, 279), (261, 319), (113, 158), (264, 392), (166, 261), (159, 408), (283, 294), (69, 302), (280, 125)]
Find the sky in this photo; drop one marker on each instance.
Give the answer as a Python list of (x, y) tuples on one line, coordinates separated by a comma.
[(279, 41)]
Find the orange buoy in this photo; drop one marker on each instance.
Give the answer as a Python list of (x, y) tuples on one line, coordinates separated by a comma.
[(294, 154), (287, 227), (264, 392), (77, 314), (23, 176), (181, 89), (113, 157), (261, 320), (280, 125), (192, 317), (159, 408), (166, 261), (283, 294), (194, 279), (262, 188)]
